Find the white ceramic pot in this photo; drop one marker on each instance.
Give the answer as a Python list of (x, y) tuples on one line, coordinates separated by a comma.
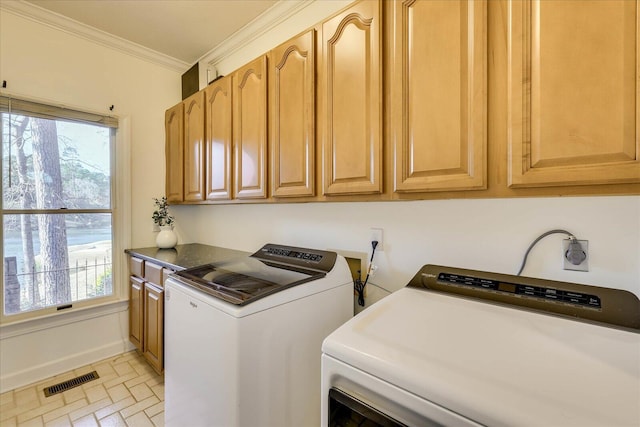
[(166, 238)]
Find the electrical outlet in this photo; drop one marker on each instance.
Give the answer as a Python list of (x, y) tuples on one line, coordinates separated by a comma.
[(374, 268), (566, 257), (376, 234)]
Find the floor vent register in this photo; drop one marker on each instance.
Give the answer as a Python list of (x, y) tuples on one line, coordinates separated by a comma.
[(69, 384)]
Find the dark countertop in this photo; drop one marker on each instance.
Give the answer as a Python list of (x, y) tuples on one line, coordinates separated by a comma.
[(185, 256)]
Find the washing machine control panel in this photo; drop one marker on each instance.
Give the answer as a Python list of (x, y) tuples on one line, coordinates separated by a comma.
[(297, 257), (294, 254)]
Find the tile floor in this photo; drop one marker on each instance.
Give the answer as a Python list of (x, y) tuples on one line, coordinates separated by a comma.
[(128, 393)]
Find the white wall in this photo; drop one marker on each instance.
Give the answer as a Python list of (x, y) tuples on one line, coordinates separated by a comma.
[(40, 62), (487, 234), (43, 63)]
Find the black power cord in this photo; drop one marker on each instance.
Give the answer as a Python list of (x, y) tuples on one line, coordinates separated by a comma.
[(358, 284)]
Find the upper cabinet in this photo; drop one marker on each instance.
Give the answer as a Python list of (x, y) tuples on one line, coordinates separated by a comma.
[(292, 116), (439, 95), (250, 130), (422, 99), (350, 100), (184, 150), (194, 147), (218, 142), (573, 96), (174, 145)]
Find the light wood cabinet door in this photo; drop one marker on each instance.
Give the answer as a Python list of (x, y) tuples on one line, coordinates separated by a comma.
[(218, 142), (136, 312), (174, 145), (153, 273), (154, 326), (350, 95), (194, 107), (292, 116), (136, 267), (439, 95), (573, 96), (250, 130)]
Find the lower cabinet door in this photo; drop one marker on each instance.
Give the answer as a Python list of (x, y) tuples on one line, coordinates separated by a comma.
[(154, 326), (136, 315)]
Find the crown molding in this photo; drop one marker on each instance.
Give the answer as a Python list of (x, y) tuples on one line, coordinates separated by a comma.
[(71, 26), (268, 20)]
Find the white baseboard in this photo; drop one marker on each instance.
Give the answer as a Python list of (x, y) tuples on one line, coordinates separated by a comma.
[(55, 367)]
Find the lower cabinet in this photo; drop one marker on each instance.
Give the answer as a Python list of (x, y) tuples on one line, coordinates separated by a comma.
[(154, 326), (136, 314), (146, 310)]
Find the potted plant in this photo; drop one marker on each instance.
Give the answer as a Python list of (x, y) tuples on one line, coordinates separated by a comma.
[(166, 237)]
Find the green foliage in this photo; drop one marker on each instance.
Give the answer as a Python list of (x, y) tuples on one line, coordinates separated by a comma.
[(161, 214), (104, 284)]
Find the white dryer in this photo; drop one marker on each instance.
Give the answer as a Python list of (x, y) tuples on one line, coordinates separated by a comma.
[(464, 348)]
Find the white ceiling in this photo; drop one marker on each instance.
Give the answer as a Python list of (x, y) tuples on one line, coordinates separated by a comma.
[(182, 29)]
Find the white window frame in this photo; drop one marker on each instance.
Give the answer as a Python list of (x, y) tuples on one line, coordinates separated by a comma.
[(121, 230)]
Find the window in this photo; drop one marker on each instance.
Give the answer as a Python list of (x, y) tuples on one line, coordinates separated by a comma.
[(57, 206)]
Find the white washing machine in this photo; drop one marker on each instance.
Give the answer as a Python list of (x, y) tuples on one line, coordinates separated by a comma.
[(243, 337), (464, 348)]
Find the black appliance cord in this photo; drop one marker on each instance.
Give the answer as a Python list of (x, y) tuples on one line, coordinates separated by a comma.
[(358, 283)]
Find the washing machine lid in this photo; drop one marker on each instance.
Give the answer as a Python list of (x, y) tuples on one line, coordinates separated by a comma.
[(493, 364), (273, 268)]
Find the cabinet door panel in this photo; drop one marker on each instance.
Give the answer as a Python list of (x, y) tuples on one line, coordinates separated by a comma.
[(136, 267), (250, 129), (174, 146), (154, 326), (573, 98), (218, 139), (292, 116), (351, 95), (194, 147), (439, 95), (136, 312), (153, 273)]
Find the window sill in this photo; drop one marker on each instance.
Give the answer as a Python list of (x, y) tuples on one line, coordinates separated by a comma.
[(54, 320)]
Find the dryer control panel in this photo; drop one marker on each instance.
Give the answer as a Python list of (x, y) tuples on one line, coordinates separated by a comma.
[(525, 290), (605, 306)]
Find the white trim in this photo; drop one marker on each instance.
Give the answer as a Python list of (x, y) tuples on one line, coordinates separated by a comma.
[(271, 18), (265, 22), (55, 103), (122, 208), (54, 367), (71, 26), (29, 326)]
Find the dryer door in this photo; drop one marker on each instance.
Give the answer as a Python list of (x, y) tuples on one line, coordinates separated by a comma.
[(345, 410), (351, 394)]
